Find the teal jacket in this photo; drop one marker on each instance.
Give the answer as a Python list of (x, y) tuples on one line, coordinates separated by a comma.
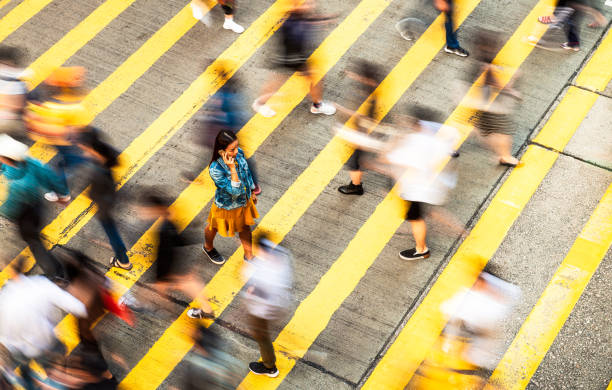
[(28, 181)]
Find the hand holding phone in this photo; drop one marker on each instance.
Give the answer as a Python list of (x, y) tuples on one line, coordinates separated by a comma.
[(228, 160)]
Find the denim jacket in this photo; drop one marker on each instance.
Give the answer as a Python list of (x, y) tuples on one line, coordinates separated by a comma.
[(230, 195)]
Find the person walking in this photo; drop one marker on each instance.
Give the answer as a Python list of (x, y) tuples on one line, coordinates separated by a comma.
[(13, 92), (267, 296), (295, 48), (452, 44), (28, 179), (103, 158), (229, 9), (233, 209), (171, 273), (368, 77)]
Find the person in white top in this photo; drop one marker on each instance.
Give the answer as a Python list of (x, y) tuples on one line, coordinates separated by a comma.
[(12, 93), (30, 308), (268, 294)]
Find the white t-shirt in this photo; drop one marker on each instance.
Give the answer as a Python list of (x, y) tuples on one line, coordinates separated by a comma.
[(30, 308)]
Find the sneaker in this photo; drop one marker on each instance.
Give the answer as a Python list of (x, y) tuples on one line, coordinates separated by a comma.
[(263, 110), (570, 46), (324, 108), (114, 262), (258, 368), (351, 189), (199, 314), (461, 52), (412, 254), (229, 24), (214, 256)]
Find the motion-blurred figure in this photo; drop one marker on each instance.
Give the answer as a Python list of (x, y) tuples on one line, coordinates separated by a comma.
[(13, 91), (233, 209), (268, 294), (412, 157), (30, 308), (226, 111), (198, 8), (102, 159), (28, 180), (296, 46), (495, 102), (567, 15), (470, 345), (172, 274), (208, 365), (368, 76), (452, 44), (57, 116)]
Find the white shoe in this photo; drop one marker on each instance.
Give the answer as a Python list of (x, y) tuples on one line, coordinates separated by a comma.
[(324, 108), (229, 24), (52, 196), (263, 110), (199, 14)]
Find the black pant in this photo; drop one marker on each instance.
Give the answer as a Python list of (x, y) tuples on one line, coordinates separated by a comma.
[(28, 223)]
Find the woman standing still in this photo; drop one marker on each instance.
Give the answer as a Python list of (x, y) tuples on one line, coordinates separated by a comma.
[(233, 210)]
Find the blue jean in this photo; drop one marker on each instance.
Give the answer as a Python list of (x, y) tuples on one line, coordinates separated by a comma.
[(110, 228), (70, 157), (451, 36)]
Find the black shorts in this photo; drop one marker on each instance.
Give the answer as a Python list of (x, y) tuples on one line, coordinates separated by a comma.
[(415, 211)]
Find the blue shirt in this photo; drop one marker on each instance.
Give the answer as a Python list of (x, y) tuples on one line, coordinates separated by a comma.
[(27, 182), (229, 194)]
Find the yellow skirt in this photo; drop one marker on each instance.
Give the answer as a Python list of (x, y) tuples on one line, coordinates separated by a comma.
[(230, 222)]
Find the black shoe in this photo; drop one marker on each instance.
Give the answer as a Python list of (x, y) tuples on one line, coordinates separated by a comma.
[(412, 254), (258, 368), (455, 154), (351, 189), (461, 52), (214, 256)]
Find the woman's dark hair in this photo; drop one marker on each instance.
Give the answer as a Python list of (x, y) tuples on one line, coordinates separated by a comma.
[(11, 54), (222, 141)]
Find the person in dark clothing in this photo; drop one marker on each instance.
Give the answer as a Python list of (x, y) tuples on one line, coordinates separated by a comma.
[(28, 179), (452, 44), (103, 158), (171, 273), (368, 77)]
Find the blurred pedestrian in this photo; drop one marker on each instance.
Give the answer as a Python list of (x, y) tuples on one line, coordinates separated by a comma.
[(368, 77), (452, 44), (28, 179), (58, 116), (233, 209), (13, 91), (295, 48), (30, 308), (226, 111), (267, 295), (208, 365), (229, 9), (171, 273), (495, 102), (103, 158)]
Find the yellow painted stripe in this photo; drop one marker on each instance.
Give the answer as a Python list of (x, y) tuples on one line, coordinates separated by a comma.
[(76, 39), (125, 75), (609, 386), (419, 334), (80, 211), (315, 312), (3, 3), (596, 74), (19, 15), (227, 282), (541, 327), (169, 350)]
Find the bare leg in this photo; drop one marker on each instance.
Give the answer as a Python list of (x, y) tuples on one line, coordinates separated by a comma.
[(356, 177), (316, 89), (270, 88), (419, 232), (502, 145), (209, 237), (247, 242), (194, 289)]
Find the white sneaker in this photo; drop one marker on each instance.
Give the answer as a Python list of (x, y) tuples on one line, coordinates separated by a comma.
[(263, 110), (229, 24), (199, 15), (52, 196), (324, 108)]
